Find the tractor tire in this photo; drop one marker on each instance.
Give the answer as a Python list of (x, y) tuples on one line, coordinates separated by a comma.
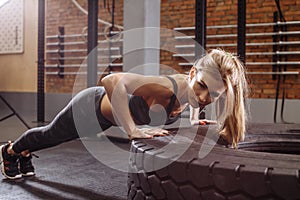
[(266, 166)]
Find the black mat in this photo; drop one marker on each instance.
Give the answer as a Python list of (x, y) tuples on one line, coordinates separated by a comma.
[(68, 172)]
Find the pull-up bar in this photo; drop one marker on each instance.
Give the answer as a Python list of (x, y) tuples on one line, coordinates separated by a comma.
[(241, 47), (200, 27), (200, 30), (92, 58)]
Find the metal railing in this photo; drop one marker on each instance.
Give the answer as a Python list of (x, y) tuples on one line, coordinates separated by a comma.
[(70, 51), (188, 48), (192, 28), (278, 54)]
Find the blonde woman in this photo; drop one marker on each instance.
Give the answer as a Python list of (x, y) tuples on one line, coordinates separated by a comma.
[(129, 100)]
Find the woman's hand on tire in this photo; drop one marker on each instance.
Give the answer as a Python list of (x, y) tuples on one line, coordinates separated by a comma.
[(202, 122), (147, 133)]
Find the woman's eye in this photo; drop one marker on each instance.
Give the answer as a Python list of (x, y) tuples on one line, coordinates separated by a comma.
[(201, 85)]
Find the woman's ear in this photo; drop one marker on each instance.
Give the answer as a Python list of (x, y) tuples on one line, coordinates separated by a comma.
[(192, 72)]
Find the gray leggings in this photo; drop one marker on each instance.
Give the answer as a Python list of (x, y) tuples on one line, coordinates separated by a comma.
[(80, 118)]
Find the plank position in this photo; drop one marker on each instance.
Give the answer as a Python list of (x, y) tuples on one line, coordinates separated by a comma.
[(128, 100)]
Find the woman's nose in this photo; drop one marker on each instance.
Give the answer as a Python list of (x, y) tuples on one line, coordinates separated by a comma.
[(204, 98)]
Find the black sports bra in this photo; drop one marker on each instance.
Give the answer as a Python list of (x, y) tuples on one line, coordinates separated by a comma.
[(142, 115)]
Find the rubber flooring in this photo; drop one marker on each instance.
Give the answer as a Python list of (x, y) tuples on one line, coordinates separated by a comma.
[(71, 171), (67, 172)]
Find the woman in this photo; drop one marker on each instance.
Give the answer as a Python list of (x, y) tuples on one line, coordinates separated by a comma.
[(152, 100)]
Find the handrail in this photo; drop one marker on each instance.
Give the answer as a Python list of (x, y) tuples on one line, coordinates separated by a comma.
[(247, 53), (273, 53), (273, 63), (74, 73), (71, 43), (274, 73), (76, 44), (247, 34), (254, 63), (65, 43), (234, 25), (247, 44), (184, 55), (67, 58), (82, 65), (80, 50), (67, 51), (75, 35)]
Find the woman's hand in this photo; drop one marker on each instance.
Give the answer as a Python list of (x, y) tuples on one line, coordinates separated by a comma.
[(147, 133), (203, 122)]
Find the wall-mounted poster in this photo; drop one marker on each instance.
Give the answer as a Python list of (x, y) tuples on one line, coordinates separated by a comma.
[(11, 26)]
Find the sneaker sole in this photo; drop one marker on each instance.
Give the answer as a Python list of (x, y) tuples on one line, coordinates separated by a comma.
[(2, 167), (28, 174)]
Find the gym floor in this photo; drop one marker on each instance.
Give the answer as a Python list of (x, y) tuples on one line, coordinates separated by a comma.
[(69, 171)]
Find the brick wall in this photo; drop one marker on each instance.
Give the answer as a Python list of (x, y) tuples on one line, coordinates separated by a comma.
[(178, 13), (65, 14)]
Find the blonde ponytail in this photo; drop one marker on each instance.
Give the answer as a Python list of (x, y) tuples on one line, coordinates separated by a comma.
[(232, 119)]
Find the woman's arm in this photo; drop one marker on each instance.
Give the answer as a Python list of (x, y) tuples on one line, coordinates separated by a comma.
[(194, 118), (194, 115), (118, 86)]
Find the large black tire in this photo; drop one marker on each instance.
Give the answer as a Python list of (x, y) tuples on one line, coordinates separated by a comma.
[(224, 173)]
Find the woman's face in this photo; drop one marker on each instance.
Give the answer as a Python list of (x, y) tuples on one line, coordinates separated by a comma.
[(205, 88)]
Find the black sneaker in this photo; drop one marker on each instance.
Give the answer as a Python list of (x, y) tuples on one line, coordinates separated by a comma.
[(25, 166), (9, 164)]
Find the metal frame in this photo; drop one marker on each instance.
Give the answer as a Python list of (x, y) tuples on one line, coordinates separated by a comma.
[(14, 112), (91, 47), (200, 27), (241, 46), (115, 50), (77, 73), (235, 26), (41, 63), (92, 58), (83, 65), (279, 44), (61, 52), (76, 35), (274, 73), (247, 34), (247, 44), (276, 53), (80, 50)]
